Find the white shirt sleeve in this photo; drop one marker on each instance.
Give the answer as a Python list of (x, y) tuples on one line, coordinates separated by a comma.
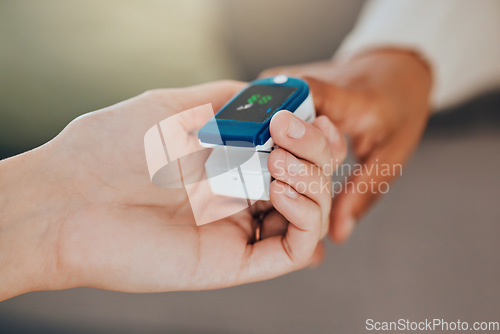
[(460, 39)]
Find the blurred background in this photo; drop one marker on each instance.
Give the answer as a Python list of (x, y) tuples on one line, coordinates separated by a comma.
[(60, 59), (428, 250)]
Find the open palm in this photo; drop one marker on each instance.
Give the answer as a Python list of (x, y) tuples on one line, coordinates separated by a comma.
[(118, 231)]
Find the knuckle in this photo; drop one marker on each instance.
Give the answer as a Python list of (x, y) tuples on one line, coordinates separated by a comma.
[(298, 258), (228, 82), (276, 162), (314, 223), (318, 219), (156, 92)]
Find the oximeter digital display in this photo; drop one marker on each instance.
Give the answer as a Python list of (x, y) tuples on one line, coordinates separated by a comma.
[(257, 103), (240, 138)]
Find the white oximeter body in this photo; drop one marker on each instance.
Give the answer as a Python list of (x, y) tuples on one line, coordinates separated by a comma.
[(240, 138)]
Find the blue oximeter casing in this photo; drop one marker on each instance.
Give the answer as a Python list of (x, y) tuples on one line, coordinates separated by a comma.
[(240, 138), (237, 128)]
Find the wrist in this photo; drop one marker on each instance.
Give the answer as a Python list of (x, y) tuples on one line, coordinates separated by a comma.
[(26, 259), (389, 68)]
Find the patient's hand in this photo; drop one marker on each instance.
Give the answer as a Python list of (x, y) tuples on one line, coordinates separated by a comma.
[(81, 210), (380, 99)]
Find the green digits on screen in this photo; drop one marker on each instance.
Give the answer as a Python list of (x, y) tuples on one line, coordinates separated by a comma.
[(257, 103), (260, 99)]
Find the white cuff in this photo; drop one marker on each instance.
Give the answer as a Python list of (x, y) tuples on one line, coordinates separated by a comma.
[(458, 38)]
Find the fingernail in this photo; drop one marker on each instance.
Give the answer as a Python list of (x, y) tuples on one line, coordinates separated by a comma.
[(347, 227), (296, 129), (290, 192)]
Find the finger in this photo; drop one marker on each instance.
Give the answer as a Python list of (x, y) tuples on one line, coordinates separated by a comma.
[(342, 107), (295, 71), (338, 144), (305, 178), (382, 165), (322, 68), (300, 138), (216, 93), (338, 147), (278, 255), (304, 217), (270, 72), (273, 225), (328, 98), (318, 256), (276, 225)]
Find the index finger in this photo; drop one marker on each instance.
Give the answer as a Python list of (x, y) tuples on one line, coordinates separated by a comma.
[(278, 255), (333, 101), (306, 141)]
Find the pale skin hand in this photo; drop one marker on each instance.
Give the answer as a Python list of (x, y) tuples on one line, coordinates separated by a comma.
[(81, 209), (380, 99)]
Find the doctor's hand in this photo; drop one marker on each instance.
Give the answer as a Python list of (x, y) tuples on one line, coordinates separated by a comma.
[(81, 210), (380, 100)]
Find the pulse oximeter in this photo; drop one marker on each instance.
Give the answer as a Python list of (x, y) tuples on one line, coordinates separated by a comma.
[(240, 138)]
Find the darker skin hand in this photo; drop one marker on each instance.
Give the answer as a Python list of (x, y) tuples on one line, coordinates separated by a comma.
[(380, 100)]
